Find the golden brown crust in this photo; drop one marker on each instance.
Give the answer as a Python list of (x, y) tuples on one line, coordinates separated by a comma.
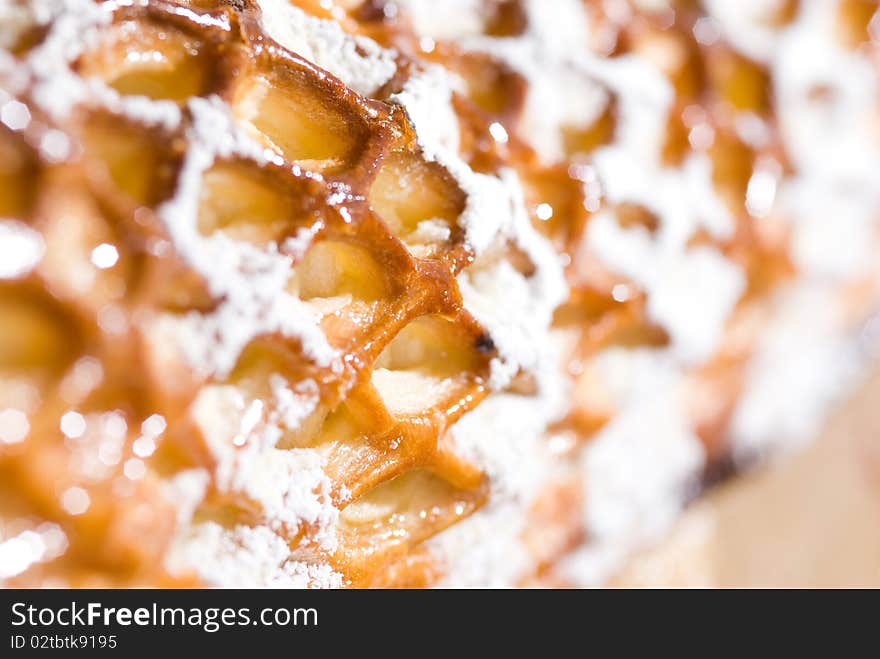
[(348, 171)]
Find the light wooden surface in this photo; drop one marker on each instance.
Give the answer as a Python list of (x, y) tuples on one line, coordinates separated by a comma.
[(810, 520)]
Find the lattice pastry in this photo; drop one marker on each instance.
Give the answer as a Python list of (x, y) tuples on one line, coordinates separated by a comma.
[(397, 294)]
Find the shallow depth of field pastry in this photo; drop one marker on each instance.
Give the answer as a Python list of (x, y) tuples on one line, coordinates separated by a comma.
[(410, 293)]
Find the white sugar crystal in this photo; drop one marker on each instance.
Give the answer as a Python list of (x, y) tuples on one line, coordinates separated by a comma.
[(360, 63)]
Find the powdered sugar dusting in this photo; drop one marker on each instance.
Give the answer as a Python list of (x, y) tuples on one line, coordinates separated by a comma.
[(690, 292), (494, 212), (251, 281), (360, 63), (638, 469), (289, 486), (244, 555), (73, 28), (826, 98), (517, 312)]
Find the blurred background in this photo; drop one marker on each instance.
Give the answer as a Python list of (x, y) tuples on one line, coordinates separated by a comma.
[(803, 521)]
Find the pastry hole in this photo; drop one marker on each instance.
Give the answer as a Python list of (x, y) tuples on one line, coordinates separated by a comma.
[(143, 59), (269, 387), (85, 259), (432, 345), (258, 362), (303, 123), (413, 393), (431, 363), (587, 306), (354, 437), (556, 202), (37, 340), (493, 86), (398, 514), (333, 269), (130, 156), (176, 287), (344, 284), (415, 504), (584, 140), (18, 172), (739, 81), (631, 216), (272, 374), (250, 205), (508, 19), (418, 200), (352, 419)]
